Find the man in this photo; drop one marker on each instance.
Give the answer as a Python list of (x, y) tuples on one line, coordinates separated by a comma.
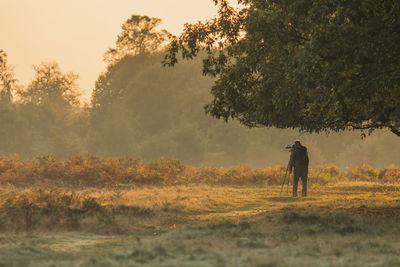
[(299, 160)]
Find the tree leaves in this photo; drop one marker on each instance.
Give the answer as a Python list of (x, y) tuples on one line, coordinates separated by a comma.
[(313, 65)]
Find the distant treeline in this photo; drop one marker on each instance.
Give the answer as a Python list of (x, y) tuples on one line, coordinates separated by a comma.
[(141, 109)]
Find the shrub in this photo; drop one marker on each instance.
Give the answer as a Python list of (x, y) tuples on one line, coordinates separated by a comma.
[(89, 170)]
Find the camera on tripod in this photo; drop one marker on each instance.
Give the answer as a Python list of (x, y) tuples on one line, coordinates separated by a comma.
[(290, 147)]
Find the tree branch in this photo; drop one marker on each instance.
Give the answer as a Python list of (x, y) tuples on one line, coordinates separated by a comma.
[(395, 130)]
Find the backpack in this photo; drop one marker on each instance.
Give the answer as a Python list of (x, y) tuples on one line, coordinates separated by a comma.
[(302, 156)]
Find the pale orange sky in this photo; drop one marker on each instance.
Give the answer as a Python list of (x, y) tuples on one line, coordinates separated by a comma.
[(76, 33)]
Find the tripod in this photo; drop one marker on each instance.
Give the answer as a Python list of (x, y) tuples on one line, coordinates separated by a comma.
[(284, 181)]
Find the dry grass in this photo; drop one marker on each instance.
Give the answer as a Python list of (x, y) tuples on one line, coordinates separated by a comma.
[(169, 206), (342, 224), (87, 170)]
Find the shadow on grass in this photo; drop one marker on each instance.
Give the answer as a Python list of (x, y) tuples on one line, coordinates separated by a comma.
[(288, 199), (337, 222), (366, 188)]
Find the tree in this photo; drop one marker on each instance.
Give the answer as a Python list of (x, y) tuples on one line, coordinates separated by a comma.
[(138, 35), (50, 105), (12, 136), (139, 112), (7, 80), (51, 87), (327, 65)]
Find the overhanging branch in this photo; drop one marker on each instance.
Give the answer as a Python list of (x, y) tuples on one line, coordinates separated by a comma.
[(395, 130)]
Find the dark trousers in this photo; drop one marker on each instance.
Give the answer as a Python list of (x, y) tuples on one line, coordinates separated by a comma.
[(300, 172)]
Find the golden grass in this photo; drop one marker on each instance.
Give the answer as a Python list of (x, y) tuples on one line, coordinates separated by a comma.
[(196, 203), (341, 224)]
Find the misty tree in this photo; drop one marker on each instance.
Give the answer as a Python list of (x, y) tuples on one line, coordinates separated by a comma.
[(50, 106), (51, 87), (112, 122), (138, 35), (315, 66), (12, 134), (7, 80)]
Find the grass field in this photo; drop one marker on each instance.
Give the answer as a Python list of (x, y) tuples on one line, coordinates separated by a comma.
[(342, 224)]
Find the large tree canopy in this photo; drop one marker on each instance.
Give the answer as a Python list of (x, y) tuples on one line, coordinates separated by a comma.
[(326, 65)]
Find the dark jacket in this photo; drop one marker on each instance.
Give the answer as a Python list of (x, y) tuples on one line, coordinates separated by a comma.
[(298, 158)]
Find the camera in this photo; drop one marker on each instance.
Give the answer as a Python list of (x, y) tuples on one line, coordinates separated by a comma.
[(289, 147)]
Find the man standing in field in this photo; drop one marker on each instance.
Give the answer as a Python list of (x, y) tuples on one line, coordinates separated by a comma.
[(299, 160)]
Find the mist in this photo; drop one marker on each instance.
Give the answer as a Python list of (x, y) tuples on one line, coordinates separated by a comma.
[(141, 109)]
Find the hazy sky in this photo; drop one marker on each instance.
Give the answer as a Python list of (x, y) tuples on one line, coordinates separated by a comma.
[(76, 33)]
